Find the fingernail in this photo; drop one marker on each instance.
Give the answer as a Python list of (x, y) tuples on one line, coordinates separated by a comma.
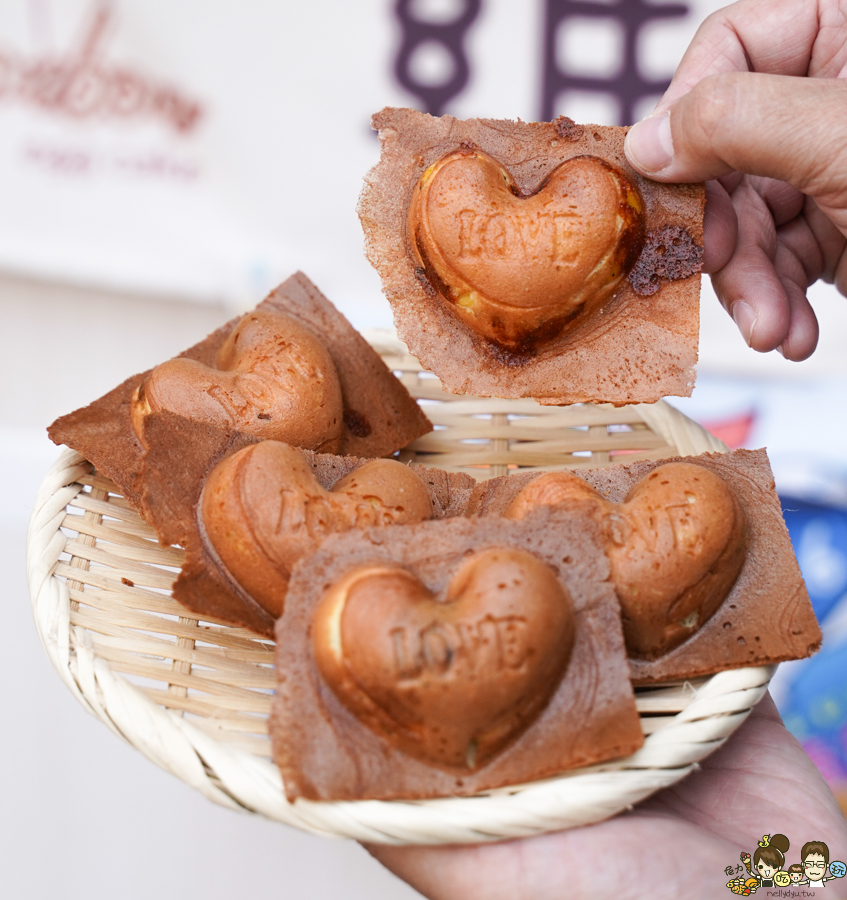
[(649, 144), (745, 318)]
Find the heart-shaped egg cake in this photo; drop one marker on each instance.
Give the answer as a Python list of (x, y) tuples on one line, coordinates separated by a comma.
[(449, 679), (676, 545), (273, 379), (262, 509), (519, 268)]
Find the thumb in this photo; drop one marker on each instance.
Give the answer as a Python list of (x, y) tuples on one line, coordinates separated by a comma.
[(783, 127)]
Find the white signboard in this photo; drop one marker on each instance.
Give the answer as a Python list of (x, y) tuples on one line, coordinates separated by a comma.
[(207, 149)]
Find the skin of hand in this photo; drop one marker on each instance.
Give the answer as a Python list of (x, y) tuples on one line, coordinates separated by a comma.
[(758, 110), (675, 844)]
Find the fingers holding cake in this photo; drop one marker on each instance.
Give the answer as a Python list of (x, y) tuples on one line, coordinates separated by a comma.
[(519, 258)]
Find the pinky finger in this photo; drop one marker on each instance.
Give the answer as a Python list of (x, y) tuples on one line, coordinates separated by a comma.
[(803, 331)]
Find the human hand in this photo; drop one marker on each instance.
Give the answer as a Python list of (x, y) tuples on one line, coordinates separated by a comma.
[(759, 105), (675, 844)]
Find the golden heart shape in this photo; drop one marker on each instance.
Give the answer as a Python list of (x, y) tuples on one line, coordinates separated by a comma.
[(449, 680), (272, 379), (520, 268), (676, 545), (262, 509)]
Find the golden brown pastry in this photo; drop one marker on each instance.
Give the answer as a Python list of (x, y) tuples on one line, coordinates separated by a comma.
[(377, 415), (520, 267), (272, 378), (449, 680), (675, 626), (450, 657), (262, 509), (528, 259), (676, 545), (245, 509)]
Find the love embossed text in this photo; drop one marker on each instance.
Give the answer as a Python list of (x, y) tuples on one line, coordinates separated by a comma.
[(492, 644), (531, 235), (648, 527), (249, 394)]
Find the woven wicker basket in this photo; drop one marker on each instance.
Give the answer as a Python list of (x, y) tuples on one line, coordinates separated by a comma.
[(194, 696)]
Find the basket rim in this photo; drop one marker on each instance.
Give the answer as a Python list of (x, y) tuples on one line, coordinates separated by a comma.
[(238, 779)]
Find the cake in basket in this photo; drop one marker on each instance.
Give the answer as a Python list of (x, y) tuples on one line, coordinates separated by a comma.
[(437, 635)]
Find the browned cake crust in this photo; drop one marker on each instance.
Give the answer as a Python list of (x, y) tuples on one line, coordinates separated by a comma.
[(641, 346), (180, 455), (379, 415), (767, 616), (326, 753)]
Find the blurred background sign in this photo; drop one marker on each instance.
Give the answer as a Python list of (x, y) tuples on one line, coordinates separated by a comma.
[(206, 149)]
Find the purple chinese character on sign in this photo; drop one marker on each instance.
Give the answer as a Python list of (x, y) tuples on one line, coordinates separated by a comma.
[(624, 80), (431, 61)]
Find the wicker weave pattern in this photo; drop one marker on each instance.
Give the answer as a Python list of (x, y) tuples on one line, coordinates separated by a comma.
[(490, 437), (194, 696)]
